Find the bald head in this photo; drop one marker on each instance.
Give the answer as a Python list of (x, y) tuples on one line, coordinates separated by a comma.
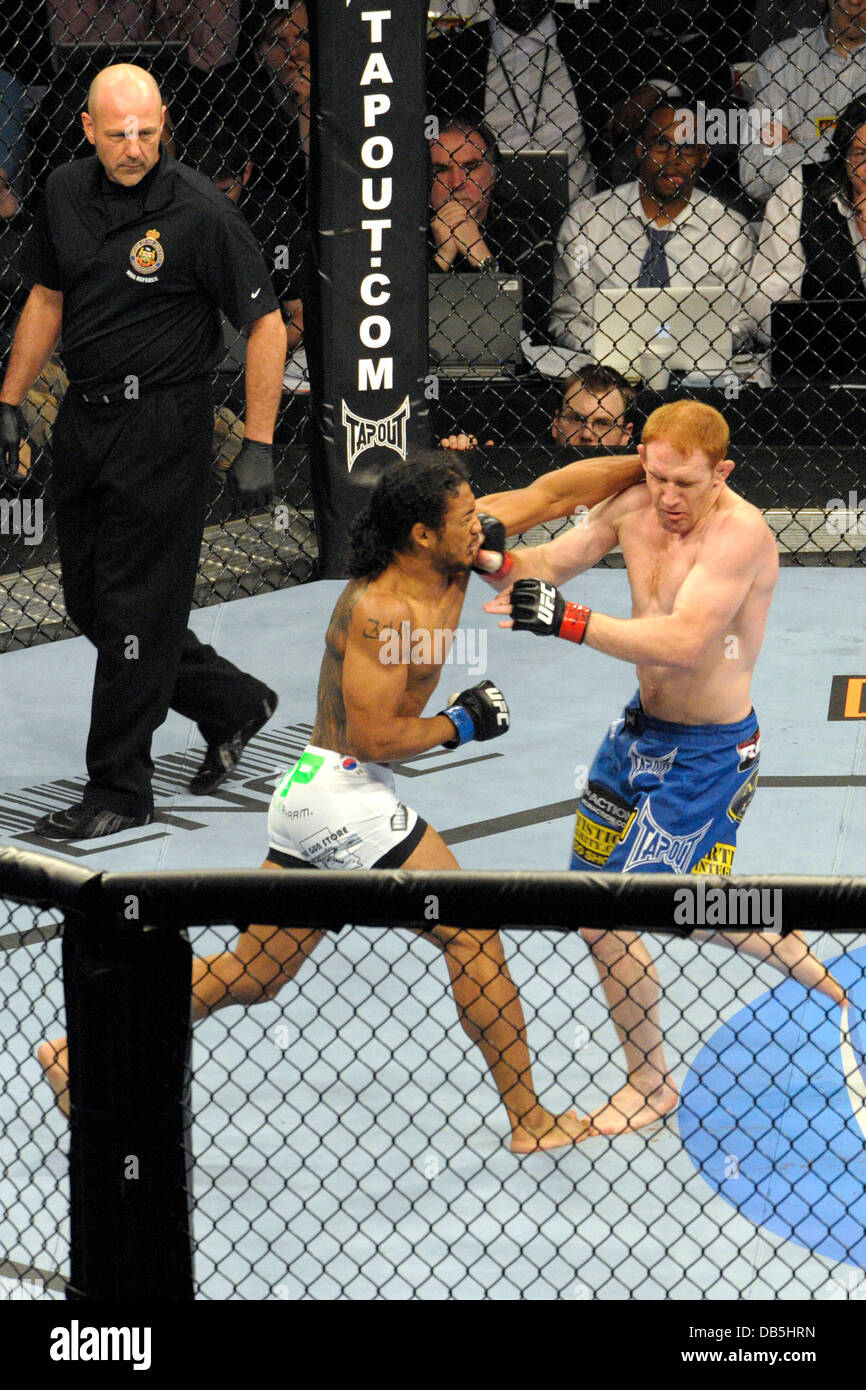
[(124, 121), (123, 84)]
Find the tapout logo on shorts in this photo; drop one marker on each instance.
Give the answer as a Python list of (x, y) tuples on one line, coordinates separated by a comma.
[(642, 765), (652, 844)]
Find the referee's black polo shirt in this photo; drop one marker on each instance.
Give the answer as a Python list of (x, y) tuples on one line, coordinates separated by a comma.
[(143, 272)]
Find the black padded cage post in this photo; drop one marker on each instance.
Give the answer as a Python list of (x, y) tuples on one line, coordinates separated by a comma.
[(127, 996), (127, 990)]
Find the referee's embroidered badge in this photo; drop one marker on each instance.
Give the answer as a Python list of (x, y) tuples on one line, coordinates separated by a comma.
[(147, 255)]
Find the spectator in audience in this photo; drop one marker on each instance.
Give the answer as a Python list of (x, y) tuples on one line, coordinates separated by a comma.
[(521, 74), (781, 19), (209, 28), (466, 230), (12, 140), (275, 222), (812, 243), (657, 231), (595, 408), (279, 230), (596, 402), (672, 51), (277, 101), (593, 415), (801, 85)]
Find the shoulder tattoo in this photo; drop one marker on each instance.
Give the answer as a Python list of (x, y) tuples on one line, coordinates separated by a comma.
[(375, 628)]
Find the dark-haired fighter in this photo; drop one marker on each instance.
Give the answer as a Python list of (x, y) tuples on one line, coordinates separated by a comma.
[(411, 553)]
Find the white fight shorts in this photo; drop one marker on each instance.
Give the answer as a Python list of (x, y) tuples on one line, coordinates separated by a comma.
[(333, 812)]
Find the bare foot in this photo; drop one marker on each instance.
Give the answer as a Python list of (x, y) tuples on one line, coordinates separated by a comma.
[(630, 1110), (559, 1131), (54, 1058)]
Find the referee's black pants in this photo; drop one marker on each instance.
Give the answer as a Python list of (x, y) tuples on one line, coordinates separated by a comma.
[(130, 481)]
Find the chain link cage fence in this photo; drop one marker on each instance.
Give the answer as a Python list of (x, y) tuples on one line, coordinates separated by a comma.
[(347, 1139), (632, 203), (232, 76), (628, 203)]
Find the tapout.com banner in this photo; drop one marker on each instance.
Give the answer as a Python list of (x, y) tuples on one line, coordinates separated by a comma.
[(367, 326)]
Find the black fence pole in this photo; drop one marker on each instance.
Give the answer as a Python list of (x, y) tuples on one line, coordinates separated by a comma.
[(366, 314), (127, 989)]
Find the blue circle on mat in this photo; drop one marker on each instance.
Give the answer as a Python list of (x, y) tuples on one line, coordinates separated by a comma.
[(771, 1119)]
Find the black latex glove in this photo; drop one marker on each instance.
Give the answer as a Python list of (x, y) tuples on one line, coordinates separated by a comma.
[(251, 476), (10, 443)]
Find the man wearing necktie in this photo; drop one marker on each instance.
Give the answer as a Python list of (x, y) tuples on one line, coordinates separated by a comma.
[(526, 71), (660, 230), (654, 269)]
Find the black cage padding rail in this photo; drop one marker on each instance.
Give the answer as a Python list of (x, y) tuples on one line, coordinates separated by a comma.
[(562, 901), (26, 877), (400, 897)]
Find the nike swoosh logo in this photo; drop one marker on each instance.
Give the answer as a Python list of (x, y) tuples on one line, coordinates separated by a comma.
[(255, 294)]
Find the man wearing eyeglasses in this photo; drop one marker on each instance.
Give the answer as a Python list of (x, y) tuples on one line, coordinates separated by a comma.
[(593, 414), (596, 402), (659, 230)]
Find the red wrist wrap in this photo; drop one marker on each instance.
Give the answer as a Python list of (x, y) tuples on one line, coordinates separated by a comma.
[(574, 623), (502, 573)]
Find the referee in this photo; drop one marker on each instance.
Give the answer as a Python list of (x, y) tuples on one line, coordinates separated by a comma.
[(131, 257)]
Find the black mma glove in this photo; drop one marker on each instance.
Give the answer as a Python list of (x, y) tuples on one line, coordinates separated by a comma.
[(493, 540), (251, 476), (10, 443), (540, 608), (480, 713)]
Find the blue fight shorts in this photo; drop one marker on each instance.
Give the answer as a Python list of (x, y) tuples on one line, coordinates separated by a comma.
[(666, 798)]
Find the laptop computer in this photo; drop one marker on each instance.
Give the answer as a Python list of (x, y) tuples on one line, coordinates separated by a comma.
[(474, 322), (819, 340), (686, 327)]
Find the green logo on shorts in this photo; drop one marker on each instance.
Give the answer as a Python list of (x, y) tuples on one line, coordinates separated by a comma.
[(303, 771)]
